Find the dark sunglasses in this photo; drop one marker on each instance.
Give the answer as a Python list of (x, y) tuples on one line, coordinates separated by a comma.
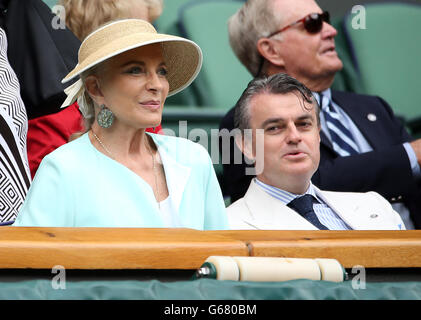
[(313, 23)]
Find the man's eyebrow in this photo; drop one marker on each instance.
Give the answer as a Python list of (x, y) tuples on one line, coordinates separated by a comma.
[(305, 117), (280, 120), (272, 120)]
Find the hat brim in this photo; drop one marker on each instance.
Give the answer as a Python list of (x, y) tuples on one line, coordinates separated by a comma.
[(183, 57)]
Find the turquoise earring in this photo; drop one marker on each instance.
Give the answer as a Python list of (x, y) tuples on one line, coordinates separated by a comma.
[(105, 117)]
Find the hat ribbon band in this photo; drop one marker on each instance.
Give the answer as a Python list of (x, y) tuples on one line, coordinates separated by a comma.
[(73, 92)]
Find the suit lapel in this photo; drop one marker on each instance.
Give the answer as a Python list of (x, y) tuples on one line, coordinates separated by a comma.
[(325, 141), (356, 210), (345, 210), (269, 213), (360, 114)]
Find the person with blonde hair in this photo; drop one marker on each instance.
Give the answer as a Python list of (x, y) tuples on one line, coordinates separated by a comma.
[(82, 17), (117, 174)]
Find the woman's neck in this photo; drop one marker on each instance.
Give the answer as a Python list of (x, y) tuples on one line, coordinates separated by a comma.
[(123, 143), (135, 150)]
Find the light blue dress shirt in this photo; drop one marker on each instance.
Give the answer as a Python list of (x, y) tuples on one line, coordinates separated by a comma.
[(324, 213), (364, 146), (78, 186)]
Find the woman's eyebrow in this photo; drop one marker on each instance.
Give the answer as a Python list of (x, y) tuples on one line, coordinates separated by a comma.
[(138, 62), (132, 62)]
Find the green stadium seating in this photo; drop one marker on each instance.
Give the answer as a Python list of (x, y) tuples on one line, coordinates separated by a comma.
[(168, 23), (51, 3), (223, 78), (347, 79), (201, 105), (387, 56)]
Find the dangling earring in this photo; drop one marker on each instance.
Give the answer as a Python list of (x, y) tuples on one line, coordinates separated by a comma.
[(105, 117)]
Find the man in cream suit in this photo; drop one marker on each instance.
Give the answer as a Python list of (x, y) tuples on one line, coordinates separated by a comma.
[(284, 113)]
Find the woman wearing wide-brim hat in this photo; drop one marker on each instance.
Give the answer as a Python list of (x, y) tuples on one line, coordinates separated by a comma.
[(116, 174)]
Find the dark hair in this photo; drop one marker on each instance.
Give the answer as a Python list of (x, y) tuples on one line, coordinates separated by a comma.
[(279, 83)]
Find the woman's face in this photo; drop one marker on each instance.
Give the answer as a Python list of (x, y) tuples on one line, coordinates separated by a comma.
[(134, 86)]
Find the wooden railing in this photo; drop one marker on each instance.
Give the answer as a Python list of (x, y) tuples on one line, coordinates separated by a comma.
[(132, 248)]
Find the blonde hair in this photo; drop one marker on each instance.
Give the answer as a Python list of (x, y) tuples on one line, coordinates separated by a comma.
[(86, 105), (253, 21), (155, 9), (85, 16)]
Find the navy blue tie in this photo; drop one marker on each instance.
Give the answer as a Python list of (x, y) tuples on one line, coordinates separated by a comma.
[(304, 206), (342, 139)]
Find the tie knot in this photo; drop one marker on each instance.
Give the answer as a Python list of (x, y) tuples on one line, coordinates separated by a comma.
[(303, 204), (324, 102)]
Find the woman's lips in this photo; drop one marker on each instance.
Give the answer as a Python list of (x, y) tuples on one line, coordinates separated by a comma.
[(153, 105)]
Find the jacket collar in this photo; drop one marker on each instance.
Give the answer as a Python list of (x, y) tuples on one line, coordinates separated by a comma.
[(268, 213), (356, 214), (359, 110), (353, 109)]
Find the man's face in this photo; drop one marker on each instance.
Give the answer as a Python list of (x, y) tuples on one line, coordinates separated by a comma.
[(291, 140), (307, 57)]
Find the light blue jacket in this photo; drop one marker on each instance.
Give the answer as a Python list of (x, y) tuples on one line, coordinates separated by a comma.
[(78, 186)]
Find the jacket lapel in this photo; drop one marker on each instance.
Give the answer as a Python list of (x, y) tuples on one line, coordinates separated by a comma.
[(176, 174), (268, 213), (360, 116), (356, 210), (324, 140), (344, 209)]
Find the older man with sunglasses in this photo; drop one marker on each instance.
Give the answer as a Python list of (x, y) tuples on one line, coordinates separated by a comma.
[(363, 146)]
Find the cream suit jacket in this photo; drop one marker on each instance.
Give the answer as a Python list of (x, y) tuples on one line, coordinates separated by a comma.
[(361, 211)]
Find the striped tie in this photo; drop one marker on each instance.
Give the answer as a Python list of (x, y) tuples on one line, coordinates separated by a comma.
[(342, 140), (304, 206)]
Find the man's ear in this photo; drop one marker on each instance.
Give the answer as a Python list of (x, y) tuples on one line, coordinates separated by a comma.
[(269, 49), (94, 90), (245, 145)]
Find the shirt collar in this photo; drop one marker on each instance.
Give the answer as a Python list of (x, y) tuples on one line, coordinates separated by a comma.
[(284, 196), (326, 93)]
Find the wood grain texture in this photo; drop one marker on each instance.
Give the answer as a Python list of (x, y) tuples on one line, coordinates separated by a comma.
[(109, 248), (371, 249), (132, 248)]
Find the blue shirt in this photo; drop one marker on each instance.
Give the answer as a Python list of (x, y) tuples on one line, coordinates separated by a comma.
[(324, 213)]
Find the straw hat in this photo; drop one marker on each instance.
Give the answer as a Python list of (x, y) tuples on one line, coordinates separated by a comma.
[(183, 57)]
